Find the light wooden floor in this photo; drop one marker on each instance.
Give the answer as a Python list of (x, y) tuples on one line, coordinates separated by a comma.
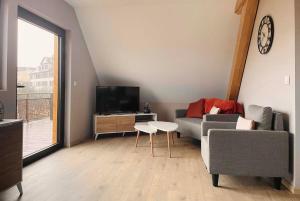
[(113, 169)]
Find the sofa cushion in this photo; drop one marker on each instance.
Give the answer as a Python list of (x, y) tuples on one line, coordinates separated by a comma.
[(226, 106), (189, 127), (278, 122), (209, 103), (261, 115), (191, 120), (245, 124), (196, 109), (214, 110)]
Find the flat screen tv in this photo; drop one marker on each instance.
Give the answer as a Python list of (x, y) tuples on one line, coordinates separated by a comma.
[(114, 100)]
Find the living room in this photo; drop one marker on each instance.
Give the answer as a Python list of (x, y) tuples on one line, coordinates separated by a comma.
[(149, 100)]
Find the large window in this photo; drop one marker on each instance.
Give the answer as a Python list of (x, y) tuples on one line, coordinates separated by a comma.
[(40, 85)]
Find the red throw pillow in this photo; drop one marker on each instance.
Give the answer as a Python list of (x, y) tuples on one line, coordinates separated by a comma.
[(240, 109), (226, 106), (209, 103), (196, 109)]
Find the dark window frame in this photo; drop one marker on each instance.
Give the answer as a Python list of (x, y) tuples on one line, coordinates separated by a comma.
[(45, 24)]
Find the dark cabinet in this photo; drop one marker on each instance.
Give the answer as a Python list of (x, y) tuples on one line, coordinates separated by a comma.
[(11, 149)]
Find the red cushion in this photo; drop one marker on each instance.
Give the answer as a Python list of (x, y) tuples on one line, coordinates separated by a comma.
[(196, 109), (240, 109), (209, 103), (226, 106)]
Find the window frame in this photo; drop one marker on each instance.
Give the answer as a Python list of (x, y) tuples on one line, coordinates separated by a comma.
[(36, 20)]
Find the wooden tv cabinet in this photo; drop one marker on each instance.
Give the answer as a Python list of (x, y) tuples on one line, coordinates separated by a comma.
[(119, 123)]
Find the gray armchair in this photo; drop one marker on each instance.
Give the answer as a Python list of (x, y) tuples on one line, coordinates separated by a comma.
[(264, 153)]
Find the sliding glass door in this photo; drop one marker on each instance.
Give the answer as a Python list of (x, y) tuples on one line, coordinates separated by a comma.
[(40, 85)]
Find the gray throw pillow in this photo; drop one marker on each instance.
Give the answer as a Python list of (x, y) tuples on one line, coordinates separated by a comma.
[(261, 115)]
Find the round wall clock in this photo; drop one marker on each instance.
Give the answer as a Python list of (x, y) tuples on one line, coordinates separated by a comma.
[(265, 34)]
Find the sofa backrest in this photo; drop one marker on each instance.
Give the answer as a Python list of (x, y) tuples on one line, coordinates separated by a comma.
[(261, 115), (277, 123), (265, 118)]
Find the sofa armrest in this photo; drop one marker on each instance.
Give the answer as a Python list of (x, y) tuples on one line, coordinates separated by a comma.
[(221, 117), (249, 153), (206, 125), (180, 113)]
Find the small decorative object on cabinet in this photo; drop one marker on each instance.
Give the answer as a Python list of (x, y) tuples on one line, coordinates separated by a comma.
[(265, 35), (147, 109), (1, 111)]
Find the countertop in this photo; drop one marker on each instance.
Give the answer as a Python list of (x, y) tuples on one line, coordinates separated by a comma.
[(8, 122)]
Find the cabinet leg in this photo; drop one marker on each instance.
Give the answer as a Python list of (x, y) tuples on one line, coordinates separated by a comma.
[(96, 136), (19, 185)]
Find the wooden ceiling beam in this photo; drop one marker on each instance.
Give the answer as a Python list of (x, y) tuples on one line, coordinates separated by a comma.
[(248, 14), (239, 6)]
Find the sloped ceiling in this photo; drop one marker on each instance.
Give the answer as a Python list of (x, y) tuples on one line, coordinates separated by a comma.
[(175, 50)]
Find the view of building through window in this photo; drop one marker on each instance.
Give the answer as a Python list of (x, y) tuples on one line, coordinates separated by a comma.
[(35, 67)]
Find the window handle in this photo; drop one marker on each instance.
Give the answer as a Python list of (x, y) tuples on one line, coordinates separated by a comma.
[(20, 86)]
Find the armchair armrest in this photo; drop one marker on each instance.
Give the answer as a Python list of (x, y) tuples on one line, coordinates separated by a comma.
[(206, 125), (180, 113), (249, 153), (221, 117)]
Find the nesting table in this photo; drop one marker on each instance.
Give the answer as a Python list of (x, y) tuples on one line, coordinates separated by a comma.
[(152, 127)]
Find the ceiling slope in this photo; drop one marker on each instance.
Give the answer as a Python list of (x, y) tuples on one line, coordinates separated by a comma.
[(175, 50)]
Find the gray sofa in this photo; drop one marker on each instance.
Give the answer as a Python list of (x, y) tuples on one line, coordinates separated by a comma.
[(262, 152), (191, 127)]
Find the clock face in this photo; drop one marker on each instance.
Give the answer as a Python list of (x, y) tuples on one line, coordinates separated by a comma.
[(265, 34)]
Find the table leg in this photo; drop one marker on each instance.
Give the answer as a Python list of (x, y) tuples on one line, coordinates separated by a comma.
[(172, 137), (151, 140), (169, 148), (137, 138)]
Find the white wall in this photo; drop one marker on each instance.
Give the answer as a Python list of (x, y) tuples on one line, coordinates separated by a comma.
[(297, 96), (79, 67), (8, 95), (176, 51), (263, 81)]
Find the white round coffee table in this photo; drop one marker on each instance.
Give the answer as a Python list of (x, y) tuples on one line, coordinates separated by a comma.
[(168, 127)]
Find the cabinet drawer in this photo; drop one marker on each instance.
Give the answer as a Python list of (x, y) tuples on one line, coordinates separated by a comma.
[(105, 120), (106, 128), (126, 120), (125, 127)]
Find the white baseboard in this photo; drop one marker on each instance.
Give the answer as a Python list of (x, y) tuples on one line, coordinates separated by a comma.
[(290, 187)]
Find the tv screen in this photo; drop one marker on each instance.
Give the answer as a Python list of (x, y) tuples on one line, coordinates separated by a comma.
[(111, 100)]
